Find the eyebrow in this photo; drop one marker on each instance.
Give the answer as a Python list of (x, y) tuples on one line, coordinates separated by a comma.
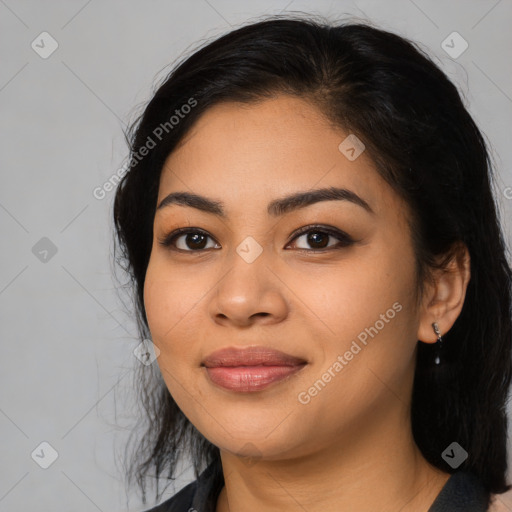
[(275, 208)]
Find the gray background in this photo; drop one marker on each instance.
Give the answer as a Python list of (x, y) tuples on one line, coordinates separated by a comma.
[(67, 341)]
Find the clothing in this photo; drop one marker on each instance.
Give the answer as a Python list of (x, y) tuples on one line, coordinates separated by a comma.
[(463, 492)]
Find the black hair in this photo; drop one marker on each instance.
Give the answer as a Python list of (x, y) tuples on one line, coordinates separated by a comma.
[(387, 91)]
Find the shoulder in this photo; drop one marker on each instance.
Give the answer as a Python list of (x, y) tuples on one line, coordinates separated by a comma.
[(462, 492), (199, 495), (181, 501)]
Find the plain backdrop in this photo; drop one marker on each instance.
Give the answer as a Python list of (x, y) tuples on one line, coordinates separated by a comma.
[(67, 339)]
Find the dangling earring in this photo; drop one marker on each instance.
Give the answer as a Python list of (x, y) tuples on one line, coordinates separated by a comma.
[(439, 344)]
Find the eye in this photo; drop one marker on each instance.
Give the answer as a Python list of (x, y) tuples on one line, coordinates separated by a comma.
[(194, 239), (318, 238)]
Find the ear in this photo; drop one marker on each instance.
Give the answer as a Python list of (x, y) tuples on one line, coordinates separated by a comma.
[(444, 296)]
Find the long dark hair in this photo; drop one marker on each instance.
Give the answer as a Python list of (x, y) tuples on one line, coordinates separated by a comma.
[(388, 92)]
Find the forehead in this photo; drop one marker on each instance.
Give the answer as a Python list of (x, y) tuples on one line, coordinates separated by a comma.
[(268, 149)]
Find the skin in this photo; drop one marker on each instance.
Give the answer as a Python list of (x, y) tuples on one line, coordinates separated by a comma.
[(351, 447)]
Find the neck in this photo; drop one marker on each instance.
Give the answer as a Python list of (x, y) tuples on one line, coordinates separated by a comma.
[(377, 467)]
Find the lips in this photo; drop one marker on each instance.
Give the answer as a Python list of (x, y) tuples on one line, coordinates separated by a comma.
[(250, 369), (251, 356)]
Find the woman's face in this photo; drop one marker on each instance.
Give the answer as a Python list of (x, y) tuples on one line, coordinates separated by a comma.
[(339, 297)]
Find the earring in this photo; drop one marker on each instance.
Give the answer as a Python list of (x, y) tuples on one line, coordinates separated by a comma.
[(439, 344)]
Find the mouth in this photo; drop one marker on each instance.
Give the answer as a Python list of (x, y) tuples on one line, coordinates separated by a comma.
[(250, 369)]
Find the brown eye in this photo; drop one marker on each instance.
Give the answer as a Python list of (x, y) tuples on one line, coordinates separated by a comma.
[(187, 240), (317, 238), (195, 240)]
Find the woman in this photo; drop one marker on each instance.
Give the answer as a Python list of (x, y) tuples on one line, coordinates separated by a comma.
[(316, 255)]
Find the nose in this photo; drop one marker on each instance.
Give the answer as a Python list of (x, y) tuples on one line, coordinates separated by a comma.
[(248, 293)]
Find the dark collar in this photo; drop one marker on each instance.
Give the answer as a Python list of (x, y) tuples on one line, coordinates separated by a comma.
[(211, 481), (462, 492)]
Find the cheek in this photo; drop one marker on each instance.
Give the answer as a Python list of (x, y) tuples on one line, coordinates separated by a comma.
[(173, 300), (166, 304), (355, 295), (168, 297), (157, 302), (368, 305), (369, 310)]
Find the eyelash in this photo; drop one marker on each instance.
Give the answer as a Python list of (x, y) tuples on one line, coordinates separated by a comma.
[(345, 240)]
